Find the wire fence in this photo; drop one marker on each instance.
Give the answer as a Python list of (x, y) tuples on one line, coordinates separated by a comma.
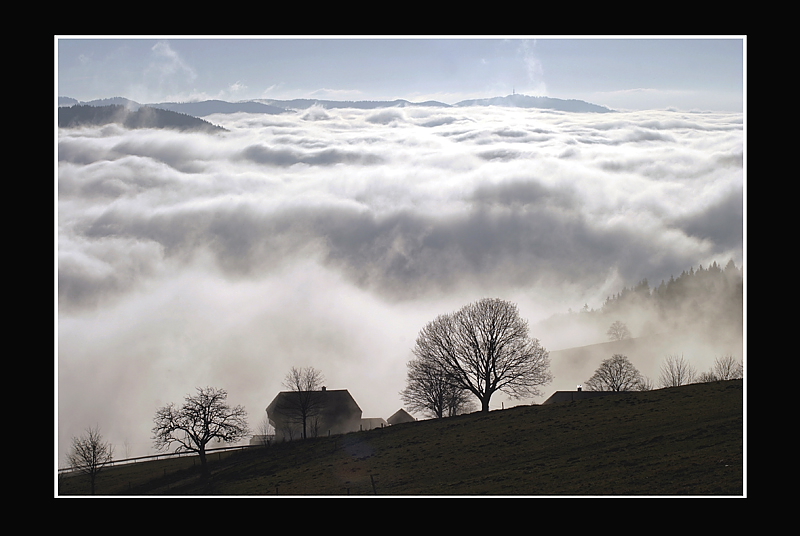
[(137, 459)]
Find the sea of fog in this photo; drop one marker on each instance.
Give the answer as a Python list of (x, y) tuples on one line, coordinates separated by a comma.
[(328, 238)]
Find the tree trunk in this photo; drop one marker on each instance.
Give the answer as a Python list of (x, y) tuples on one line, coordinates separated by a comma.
[(485, 405), (203, 464)]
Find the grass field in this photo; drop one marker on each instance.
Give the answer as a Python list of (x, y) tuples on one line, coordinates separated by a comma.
[(679, 441)]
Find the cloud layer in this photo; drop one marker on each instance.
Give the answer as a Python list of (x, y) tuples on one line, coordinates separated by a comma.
[(330, 237)]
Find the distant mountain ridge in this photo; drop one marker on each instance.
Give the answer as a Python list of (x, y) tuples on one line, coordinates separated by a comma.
[(549, 103), (204, 108), (274, 106), (302, 104)]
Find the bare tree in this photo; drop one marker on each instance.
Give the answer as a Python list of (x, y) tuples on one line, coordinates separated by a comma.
[(483, 348), (202, 418), (727, 368), (676, 371), (89, 454), (618, 331), (304, 402), (266, 432), (645, 385), (616, 373), (429, 390), (724, 368), (705, 377)]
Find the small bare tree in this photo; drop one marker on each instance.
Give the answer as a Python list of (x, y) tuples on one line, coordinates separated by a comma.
[(676, 371), (431, 391), (724, 368), (89, 454), (304, 402), (706, 377), (265, 431), (616, 373), (202, 418), (618, 331), (645, 385), (727, 368)]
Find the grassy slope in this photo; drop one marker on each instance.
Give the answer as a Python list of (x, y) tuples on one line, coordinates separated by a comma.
[(680, 441)]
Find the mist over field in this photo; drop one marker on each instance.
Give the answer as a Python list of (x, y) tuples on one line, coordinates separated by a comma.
[(330, 237)]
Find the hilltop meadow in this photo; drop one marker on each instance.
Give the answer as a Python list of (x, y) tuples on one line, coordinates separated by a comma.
[(679, 441)]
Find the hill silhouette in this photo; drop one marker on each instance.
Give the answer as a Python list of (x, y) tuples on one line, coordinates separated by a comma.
[(550, 103), (143, 117), (203, 108), (302, 104), (276, 106), (685, 440)]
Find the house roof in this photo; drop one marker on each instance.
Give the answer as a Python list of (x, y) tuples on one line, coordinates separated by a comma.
[(399, 416), (338, 401), (569, 396)]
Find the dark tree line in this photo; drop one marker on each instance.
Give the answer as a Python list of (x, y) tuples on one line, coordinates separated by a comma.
[(706, 298)]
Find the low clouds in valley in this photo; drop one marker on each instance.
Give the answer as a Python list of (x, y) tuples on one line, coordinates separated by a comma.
[(329, 237)]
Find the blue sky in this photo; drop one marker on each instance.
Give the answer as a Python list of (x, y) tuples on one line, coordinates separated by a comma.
[(706, 73)]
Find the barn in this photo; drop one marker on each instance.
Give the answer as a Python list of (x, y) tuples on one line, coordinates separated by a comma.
[(400, 416), (369, 423)]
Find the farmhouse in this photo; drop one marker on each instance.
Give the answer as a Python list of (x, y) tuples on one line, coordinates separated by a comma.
[(569, 396), (262, 440), (326, 412), (368, 423), (400, 416)]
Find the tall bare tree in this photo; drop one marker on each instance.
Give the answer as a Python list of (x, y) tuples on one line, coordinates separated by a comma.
[(429, 390), (483, 348), (304, 402), (676, 371), (203, 417), (89, 454), (616, 373)]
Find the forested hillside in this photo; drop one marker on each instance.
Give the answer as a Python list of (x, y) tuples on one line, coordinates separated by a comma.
[(702, 300), (144, 117)]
